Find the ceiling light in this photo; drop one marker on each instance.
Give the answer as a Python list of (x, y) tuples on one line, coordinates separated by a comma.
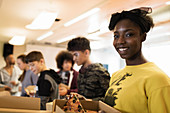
[(167, 3), (99, 44), (43, 21), (45, 36), (103, 29), (93, 28), (67, 38), (94, 24), (82, 17), (17, 40)]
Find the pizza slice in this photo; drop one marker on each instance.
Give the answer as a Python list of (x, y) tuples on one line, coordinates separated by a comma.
[(73, 105)]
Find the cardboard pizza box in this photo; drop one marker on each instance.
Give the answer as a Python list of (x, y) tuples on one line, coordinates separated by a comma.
[(88, 105), (5, 93), (2, 89), (7, 110), (15, 102), (49, 106)]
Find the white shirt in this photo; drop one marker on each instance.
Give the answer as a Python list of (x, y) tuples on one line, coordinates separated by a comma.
[(5, 79)]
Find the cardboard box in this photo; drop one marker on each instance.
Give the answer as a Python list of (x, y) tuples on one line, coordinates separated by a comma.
[(49, 106), (15, 102), (5, 93), (88, 105), (2, 89), (7, 110)]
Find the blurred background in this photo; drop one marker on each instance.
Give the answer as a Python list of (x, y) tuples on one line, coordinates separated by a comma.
[(47, 26)]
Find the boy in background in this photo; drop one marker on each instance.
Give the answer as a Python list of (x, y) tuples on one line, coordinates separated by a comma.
[(64, 60), (48, 79), (93, 79)]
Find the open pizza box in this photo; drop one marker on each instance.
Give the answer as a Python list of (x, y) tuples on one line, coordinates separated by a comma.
[(88, 105), (15, 102), (2, 89)]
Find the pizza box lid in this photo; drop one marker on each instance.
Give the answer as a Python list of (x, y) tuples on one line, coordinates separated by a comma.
[(58, 104), (16, 102)]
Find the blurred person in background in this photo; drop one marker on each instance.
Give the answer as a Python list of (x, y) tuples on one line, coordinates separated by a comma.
[(27, 78), (9, 76), (48, 81), (69, 76), (93, 79)]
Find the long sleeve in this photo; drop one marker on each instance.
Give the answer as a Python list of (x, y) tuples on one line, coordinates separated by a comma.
[(34, 78), (104, 80), (2, 84), (159, 101)]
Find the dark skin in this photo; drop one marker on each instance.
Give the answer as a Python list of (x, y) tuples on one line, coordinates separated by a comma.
[(128, 42)]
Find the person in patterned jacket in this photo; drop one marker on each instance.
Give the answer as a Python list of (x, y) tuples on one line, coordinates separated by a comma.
[(93, 79)]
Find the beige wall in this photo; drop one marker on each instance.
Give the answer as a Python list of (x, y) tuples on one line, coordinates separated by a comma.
[(49, 53), (1, 55), (17, 51)]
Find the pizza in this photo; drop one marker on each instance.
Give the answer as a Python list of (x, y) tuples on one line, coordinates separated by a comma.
[(73, 105)]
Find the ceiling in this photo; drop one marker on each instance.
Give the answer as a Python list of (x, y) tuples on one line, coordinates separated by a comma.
[(16, 14)]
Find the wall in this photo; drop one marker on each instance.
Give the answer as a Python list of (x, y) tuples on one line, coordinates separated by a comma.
[(17, 50), (107, 56), (160, 56), (1, 55), (48, 52)]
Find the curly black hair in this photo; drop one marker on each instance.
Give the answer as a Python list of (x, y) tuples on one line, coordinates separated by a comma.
[(78, 44), (62, 56), (139, 16)]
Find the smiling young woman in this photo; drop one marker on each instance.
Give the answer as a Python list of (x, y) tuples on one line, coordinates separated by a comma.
[(140, 87)]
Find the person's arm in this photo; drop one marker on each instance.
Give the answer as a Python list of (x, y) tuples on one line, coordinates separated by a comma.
[(34, 78), (75, 87), (1, 80), (104, 80), (7, 88), (14, 83), (44, 91), (159, 100)]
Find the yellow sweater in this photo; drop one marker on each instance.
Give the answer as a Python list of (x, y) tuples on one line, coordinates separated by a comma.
[(139, 89)]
